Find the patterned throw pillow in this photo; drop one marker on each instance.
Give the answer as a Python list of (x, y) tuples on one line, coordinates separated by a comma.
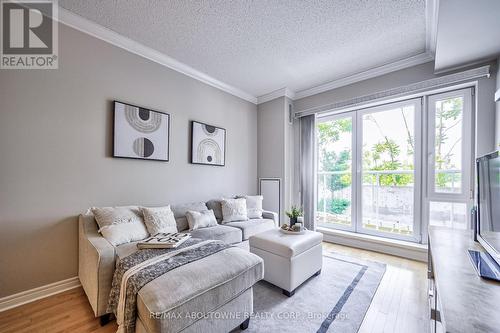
[(203, 219), (234, 210), (254, 206), (159, 219), (120, 224)]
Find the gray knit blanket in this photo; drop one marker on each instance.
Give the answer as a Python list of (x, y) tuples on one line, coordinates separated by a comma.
[(136, 270)]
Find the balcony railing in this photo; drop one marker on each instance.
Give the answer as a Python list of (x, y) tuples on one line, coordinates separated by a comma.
[(387, 202)]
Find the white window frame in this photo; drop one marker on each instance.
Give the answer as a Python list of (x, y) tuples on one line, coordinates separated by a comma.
[(426, 182), (466, 195), (417, 194), (465, 187), (352, 115)]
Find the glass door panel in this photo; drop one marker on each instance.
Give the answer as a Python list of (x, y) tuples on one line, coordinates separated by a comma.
[(334, 206), (448, 214), (449, 191), (371, 163), (390, 143), (448, 123)]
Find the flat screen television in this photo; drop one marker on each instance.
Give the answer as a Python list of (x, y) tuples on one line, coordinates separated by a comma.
[(488, 211)]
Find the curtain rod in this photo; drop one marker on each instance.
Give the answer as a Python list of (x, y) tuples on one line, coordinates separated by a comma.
[(402, 91)]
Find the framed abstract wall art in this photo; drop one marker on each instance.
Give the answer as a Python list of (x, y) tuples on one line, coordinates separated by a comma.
[(140, 133), (208, 144)]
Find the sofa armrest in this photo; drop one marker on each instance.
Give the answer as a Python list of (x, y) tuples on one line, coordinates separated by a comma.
[(96, 264), (272, 216)]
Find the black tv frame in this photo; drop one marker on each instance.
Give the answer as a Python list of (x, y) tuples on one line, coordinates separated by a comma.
[(491, 253)]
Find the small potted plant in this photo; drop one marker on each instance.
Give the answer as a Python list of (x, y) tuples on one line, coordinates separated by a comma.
[(294, 214)]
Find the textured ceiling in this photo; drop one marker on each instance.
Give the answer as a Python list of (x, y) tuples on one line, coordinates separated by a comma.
[(264, 45)]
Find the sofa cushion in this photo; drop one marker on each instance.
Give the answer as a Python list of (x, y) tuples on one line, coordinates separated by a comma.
[(180, 211), (167, 304), (283, 245), (215, 205), (220, 232), (252, 227), (124, 250)]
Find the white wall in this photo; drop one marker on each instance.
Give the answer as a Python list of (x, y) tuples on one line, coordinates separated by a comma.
[(56, 146)]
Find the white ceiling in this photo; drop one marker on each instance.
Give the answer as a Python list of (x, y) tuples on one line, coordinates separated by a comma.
[(467, 31), (262, 46)]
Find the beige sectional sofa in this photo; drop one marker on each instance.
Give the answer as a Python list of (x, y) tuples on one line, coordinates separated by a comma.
[(220, 282)]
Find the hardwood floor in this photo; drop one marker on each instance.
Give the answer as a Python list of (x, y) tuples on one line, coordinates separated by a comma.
[(399, 305), (69, 311)]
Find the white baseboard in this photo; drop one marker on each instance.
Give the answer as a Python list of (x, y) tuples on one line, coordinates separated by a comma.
[(366, 242), (31, 295)]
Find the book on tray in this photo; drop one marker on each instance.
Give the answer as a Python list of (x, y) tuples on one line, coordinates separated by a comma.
[(163, 241)]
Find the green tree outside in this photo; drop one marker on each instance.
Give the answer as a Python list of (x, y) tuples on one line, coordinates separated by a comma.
[(383, 155)]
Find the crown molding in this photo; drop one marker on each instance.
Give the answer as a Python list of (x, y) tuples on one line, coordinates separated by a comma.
[(368, 74), (31, 295), (91, 28), (275, 94), (431, 25), (406, 92)]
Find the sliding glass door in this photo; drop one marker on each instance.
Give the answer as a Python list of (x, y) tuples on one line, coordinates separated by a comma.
[(366, 170), (336, 148), (392, 170), (388, 163)]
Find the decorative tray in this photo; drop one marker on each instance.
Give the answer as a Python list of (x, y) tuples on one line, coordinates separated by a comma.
[(293, 232)]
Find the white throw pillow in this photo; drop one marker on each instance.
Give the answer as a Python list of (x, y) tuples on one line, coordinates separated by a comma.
[(234, 210), (159, 219), (254, 206), (120, 224), (203, 219)]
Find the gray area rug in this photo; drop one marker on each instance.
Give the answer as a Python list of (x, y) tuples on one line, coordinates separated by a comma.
[(335, 301)]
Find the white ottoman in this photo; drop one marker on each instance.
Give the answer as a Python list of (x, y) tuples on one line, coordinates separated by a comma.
[(289, 260)]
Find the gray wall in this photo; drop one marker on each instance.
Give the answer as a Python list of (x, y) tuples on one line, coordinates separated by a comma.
[(485, 115), (275, 147), (55, 148), (270, 136), (497, 127)]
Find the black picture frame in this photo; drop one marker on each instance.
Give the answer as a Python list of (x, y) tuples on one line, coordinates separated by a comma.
[(193, 159), (114, 136)]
